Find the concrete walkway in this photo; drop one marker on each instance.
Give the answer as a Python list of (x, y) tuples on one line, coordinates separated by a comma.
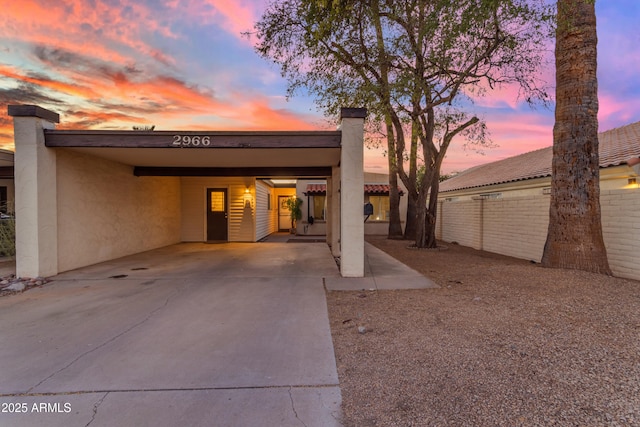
[(192, 334), (382, 272)]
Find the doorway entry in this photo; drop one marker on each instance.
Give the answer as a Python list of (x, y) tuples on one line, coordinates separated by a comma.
[(284, 214), (217, 214)]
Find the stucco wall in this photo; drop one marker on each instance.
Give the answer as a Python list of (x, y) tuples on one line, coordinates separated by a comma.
[(105, 212), (518, 227), (241, 205)]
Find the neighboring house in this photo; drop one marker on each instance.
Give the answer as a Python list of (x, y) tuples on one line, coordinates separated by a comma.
[(503, 206), (6, 182), (376, 191)]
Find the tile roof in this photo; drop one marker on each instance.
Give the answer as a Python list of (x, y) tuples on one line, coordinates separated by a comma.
[(616, 147), (368, 189), (316, 189)]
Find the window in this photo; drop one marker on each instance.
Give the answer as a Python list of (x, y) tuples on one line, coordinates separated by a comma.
[(217, 201), (380, 207), (3, 200), (319, 207)]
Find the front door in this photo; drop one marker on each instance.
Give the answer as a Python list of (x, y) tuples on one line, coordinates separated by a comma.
[(217, 214), (284, 214)]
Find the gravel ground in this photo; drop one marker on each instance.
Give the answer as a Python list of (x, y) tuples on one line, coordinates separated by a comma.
[(503, 342)]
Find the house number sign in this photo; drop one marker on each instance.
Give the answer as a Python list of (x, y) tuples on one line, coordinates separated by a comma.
[(191, 141)]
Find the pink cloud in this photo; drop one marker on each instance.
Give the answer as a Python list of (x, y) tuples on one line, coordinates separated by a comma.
[(235, 17), (498, 97), (615, 112)]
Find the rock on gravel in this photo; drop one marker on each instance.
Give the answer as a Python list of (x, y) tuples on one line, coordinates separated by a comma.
[(16, 287), (11, 284)]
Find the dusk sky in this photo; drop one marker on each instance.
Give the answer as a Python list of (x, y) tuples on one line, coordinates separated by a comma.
[(183, 64)]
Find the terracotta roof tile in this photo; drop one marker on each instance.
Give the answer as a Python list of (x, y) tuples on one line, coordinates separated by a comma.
[(616, 147), (316, 189)]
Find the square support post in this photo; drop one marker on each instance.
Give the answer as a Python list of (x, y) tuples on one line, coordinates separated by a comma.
[(352, 193), (335, 211), (36, 196)]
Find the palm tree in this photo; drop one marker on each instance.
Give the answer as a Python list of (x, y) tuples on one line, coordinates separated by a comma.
[(574, 239)]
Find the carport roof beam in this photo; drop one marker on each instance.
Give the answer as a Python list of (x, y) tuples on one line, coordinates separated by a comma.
[(263, 172), (193, 139)]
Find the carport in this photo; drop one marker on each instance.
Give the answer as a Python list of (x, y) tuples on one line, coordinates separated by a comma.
[(84, 197)]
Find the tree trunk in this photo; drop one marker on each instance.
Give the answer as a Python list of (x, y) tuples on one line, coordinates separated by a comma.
[(395, 224), (422, 213), (574, 238), (410, 224), (432, 212)]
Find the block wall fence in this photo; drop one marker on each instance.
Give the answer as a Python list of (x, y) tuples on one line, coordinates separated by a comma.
[(517, 227)]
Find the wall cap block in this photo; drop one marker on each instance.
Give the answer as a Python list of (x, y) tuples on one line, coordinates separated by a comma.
[(353, 113), (33, 111)]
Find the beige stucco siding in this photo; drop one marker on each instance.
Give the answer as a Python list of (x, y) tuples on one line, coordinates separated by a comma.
[(105, 212), (241, 206)]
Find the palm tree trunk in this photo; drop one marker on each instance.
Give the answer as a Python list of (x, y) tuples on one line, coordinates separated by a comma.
[(574, 238)]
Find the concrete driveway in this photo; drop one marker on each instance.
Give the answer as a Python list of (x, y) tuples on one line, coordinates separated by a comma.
[(191, 334)]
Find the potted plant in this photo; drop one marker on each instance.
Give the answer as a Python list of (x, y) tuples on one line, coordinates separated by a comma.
[(294, 203)]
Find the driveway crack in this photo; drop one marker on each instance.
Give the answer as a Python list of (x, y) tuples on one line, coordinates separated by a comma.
[(110, 340), (293, 407), (95, 409)]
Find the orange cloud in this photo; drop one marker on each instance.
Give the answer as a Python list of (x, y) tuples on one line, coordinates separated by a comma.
[(258, 114), (93, 28), (68, 88)]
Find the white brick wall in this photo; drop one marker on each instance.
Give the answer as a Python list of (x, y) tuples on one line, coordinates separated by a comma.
[(518, 227), (463, 223), (621, 230)]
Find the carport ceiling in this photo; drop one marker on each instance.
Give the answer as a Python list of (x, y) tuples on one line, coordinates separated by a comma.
[(174, 152)]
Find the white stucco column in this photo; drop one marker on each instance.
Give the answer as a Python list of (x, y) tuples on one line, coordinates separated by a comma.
[(36, 197), (328, 213), (335, 211), (352, 193)]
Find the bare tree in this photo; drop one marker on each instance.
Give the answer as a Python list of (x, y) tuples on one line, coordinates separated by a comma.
[(415, 64)]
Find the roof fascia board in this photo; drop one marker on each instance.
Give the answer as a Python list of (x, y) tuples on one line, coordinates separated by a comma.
[(193, 139)]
